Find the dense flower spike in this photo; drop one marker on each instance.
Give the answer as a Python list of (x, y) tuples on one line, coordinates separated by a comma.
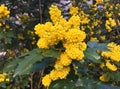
[(69, 33), (4, 12)]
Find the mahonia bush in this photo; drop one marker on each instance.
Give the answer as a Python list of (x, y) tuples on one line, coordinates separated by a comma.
[(73, 34)]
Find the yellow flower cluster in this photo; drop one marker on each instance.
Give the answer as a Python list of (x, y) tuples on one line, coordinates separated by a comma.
[(3, 78), (69, 33), (110, 23), (113, 55), (4, 12)]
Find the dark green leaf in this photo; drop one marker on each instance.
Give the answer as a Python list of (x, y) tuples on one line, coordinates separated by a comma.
[(43, 64), (98, 46), (11, 65), (62, 84), (25, 65), (51, 53), (92, 55)]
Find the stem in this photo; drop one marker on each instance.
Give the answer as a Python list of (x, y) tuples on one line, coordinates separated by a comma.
[(31, 80), (40, 10), (40, 80)]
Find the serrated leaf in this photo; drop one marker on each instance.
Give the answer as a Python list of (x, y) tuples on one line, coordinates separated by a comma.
[(92, 55), (25, 65), (98, 46), (32, 57)]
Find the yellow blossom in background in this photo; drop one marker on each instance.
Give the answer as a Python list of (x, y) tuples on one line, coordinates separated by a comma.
[(25, 50), (0, 24), (103, 77), (94, 39), (3, 78), (103, 38), (4, 12), (110, 23), (73, 10), (114, 53), (20, 36), (46, 80), (99, 1), (110, 66), (102, 64)]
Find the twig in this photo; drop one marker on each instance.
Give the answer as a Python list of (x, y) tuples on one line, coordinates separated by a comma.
[(40, 10)]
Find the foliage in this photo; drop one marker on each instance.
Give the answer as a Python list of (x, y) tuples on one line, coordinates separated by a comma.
[(80, 50)]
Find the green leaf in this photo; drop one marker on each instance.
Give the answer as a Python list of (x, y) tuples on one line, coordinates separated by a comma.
[(87, 83), (51, 53), (25, 65), (11, 65), (48, 61), (92, 55), (98, 46), (104, 86), (36, 55), (62, 84)]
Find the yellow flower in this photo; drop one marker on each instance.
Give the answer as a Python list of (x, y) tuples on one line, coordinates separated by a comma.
[(102, 64), (46, 80), (114, 53), (74, 53), (103, 37), (103, 77), (58, 65), (74, 21), (110, 23), (3, 77), (20, 36), (4, 12), (110, 66), (65, 60), (94, 39), (99, 1), (54, 74), (63, 73), (0, 24), (42, 43), (75, 35), (73, 10), (55, 14)]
